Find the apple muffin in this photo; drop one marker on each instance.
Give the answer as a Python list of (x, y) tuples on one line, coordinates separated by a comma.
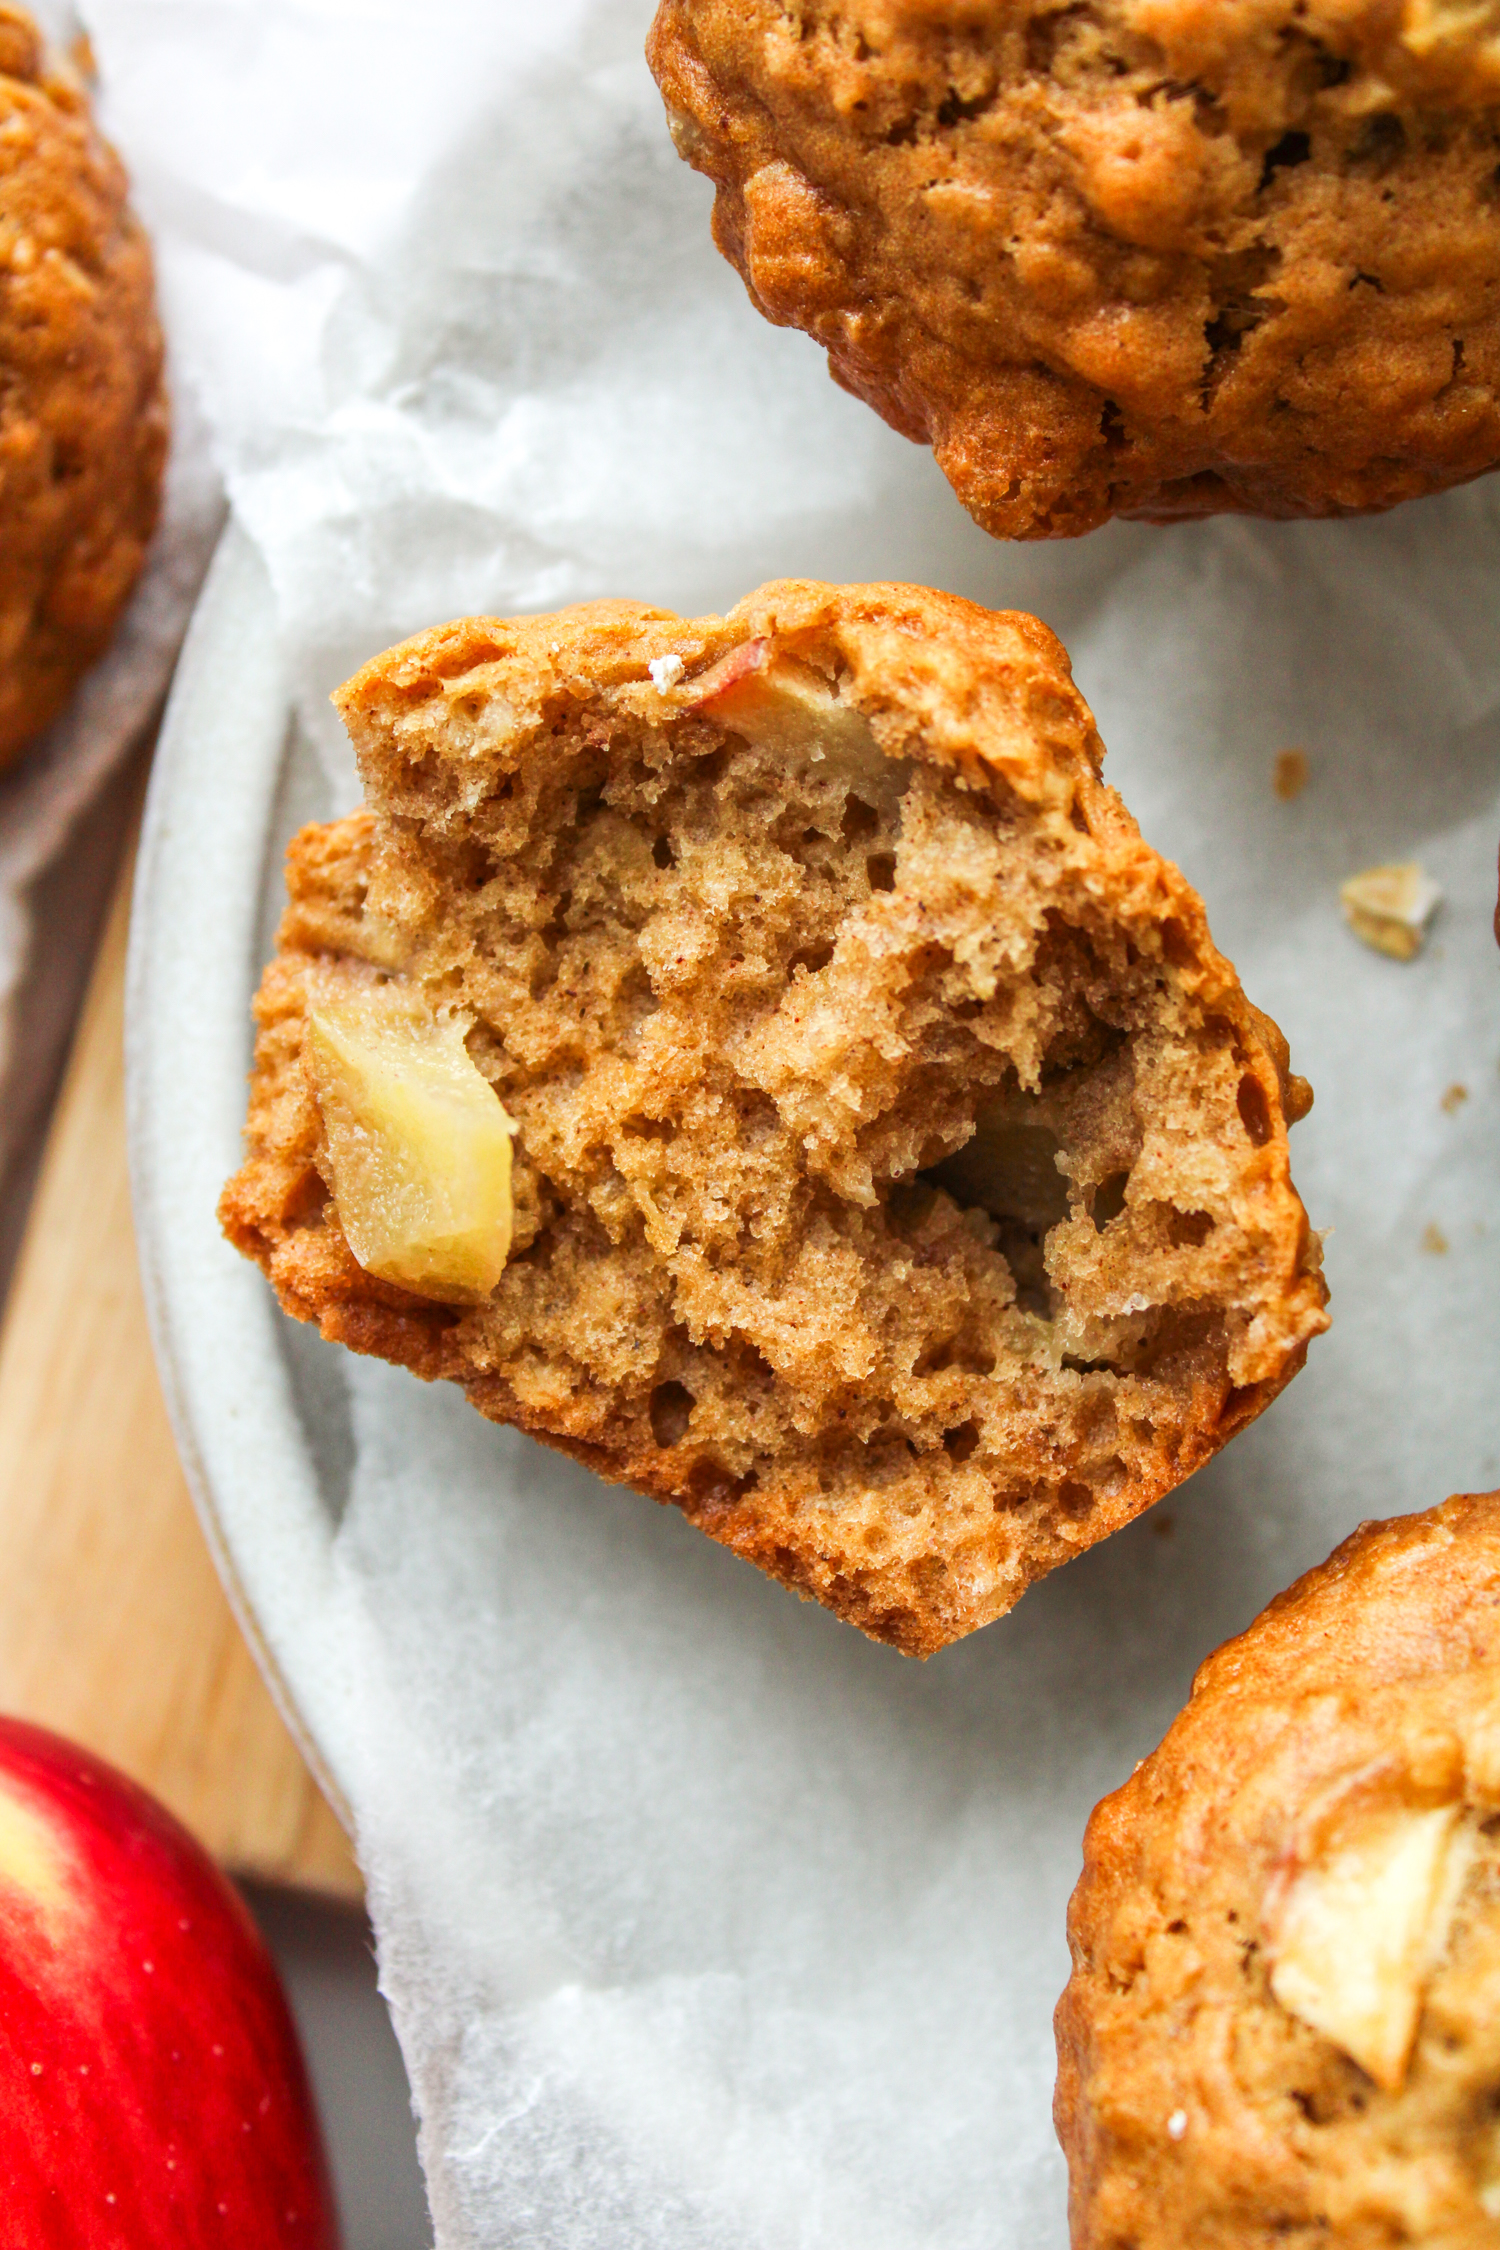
[(1283, 2022), (759, 1056), (83, 411), (1151, 258)]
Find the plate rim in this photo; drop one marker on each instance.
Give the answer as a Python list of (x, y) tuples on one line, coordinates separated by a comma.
[(200, 872)]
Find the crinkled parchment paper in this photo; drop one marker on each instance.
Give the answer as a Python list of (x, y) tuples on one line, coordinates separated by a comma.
[(705, 1922)]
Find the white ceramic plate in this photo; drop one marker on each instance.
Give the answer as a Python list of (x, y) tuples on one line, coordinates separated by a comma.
[(751, 1919), (241, 1397)]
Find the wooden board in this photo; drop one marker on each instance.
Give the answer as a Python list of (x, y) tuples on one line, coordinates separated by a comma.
[(113, 1625)]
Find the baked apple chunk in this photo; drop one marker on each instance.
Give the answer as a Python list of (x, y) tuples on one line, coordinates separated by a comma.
[(418, 1146)]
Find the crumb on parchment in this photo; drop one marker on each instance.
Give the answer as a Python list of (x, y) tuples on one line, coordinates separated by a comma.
[(1390, 907), (1290, 775), (1434, 1241), (1454, 1098)]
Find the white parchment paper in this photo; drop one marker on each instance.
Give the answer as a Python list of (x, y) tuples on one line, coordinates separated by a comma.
[(704, 1922)]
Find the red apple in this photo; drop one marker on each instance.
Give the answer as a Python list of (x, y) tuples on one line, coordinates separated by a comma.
[(152, 2092)]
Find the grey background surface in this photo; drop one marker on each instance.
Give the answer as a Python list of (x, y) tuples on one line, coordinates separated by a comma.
[(326, 1957)]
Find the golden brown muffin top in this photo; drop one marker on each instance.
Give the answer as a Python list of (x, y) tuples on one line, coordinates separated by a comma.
[(1330, 1795), (83, 415), (1139, 257)]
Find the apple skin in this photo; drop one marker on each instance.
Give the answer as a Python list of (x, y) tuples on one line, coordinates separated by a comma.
[(152, 2091)]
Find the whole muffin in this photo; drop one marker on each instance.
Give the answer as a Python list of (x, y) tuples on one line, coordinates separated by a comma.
[(1283, 2022), (1141, 257), (83, 414)]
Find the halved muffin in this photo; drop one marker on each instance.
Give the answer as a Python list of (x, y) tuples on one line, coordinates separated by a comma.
[(899, 1181)]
